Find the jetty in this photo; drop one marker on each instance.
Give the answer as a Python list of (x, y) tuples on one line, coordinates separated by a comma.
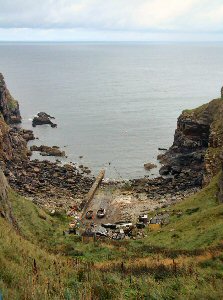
[(90, 195)]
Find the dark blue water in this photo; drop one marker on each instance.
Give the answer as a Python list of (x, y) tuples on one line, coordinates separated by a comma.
[(113, 102)]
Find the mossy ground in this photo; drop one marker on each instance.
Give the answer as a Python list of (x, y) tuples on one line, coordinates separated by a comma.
[(183, 260)]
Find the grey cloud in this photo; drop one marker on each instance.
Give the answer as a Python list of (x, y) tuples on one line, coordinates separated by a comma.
[(151, 15)]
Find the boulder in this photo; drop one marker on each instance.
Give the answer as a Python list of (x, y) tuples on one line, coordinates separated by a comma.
[(165, 170), (43, 118), (48, 151), (149, 166)]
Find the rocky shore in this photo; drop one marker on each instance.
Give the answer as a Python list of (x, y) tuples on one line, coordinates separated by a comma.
[(191, 161), (163, 190), (46, 183), (43, 180), (48, 151)]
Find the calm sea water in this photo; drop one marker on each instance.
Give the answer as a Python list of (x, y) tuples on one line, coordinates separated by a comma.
[(113, 102)]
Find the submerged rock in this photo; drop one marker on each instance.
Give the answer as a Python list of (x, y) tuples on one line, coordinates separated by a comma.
[(149, 166)]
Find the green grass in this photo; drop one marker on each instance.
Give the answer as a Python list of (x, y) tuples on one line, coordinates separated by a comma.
[(69, 269), (199, 229), (212, 107)]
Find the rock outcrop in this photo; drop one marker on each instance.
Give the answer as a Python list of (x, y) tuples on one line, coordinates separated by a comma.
[(198, 140), (43, 118), (9, 107), (149, 166), (12, 142), (48, 151)]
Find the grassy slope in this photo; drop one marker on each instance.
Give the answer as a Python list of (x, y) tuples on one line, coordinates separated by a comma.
[(148, 271), (193, 230), (27, 270)]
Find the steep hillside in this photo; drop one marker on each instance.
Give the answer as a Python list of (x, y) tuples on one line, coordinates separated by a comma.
[(29, 272), (183, 260)]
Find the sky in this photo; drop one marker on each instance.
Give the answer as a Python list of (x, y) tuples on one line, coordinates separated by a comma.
[(111, 20)]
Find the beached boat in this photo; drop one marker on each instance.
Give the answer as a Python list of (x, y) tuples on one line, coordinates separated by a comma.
[(101, 213), (143, 218)]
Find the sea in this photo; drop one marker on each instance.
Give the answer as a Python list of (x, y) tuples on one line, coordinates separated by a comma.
[(115, 104)]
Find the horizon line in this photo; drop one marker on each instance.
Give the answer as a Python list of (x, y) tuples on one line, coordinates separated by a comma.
[(109, 41)]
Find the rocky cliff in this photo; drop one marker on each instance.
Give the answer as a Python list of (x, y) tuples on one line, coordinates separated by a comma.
[(196, 151), (9, 107), (13, 144)]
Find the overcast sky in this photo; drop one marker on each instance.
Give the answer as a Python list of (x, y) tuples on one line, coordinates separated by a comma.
[(111, 20)]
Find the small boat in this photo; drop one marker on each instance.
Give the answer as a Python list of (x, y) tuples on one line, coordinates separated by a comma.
[(109, 226), (143, 219), (123, 224), (89, 214), (101, 213)]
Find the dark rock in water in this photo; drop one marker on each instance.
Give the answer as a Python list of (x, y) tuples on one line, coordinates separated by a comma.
[(149, 166), (48, 151), (43, 118), (162, 149)]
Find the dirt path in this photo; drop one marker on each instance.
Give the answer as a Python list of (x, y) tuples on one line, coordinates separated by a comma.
[(156, 260)]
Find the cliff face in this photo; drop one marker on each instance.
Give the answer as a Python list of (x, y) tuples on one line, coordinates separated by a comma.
[(12, 142), (13, 146), (9, 107), (197, 145)]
